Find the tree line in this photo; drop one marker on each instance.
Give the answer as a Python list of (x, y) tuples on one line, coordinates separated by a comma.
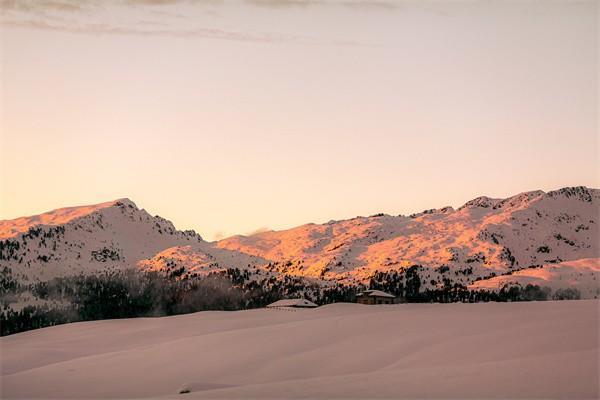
[(136, 293)]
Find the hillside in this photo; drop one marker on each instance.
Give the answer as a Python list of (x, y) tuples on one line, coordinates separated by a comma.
[(582, 275), (60, 216), (479, 244), (199, 259), (86, 239), (484, 237), (486, 350)]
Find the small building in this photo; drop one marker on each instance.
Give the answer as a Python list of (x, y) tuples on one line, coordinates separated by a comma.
[(375, 297), (293, 303)]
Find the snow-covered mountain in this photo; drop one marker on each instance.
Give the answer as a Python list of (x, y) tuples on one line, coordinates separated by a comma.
[(482, 239), (200, 259), (85, 239), (582, 275)]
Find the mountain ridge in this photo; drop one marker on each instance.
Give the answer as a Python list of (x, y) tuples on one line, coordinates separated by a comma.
[(12, 227), (52, 217), (86, 239), (483, 238)]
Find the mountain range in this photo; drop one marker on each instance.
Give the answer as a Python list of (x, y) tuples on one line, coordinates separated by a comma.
[(545, 238)]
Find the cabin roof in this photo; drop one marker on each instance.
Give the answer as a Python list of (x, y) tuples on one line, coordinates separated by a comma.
[(293, 303), (376, 293)]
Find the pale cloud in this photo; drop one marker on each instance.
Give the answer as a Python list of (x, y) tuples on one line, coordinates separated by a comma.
[(90, 17), (78, 5), (146, 18), (139, 30), (173, 2), (262, 229), (41, 6), (28, 6), (218, 235), (374, 4), (283, 3)]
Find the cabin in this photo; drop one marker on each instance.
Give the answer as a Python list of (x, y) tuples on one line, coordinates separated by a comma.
[(293, 303), (375, 297)]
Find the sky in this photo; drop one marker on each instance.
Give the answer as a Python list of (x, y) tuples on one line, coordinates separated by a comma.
[(230, 117)]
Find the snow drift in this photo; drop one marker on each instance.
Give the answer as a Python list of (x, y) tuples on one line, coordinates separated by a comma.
[(499, 350)]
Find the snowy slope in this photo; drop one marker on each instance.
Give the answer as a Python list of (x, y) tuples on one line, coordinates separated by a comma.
[(345, 351), (484, 235), (200, 259), (483, 238), (107, 236), (583, 275), (61, 216), (85, 240)]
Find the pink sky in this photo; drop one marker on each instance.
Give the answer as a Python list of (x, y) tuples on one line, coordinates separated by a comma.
[(229, 116)]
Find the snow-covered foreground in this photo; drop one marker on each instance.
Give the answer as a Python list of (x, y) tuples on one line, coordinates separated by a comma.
[(499, 350)]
